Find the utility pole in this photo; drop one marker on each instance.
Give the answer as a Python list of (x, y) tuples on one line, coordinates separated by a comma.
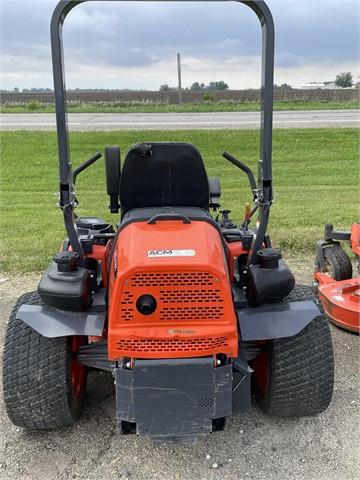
[(179, 76)]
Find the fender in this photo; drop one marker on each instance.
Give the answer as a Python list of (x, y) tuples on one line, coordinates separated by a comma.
[(276, 321), (53, 323)]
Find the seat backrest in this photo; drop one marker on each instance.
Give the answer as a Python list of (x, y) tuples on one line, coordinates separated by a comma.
[(163, 175)]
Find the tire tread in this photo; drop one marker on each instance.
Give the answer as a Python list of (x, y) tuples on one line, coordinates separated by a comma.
[(301, 367), (36, 377), (340, 262)]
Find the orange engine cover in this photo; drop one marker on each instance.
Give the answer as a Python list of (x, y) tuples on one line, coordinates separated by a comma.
[(183, 267)]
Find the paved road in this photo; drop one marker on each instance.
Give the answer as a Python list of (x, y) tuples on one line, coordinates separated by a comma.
[(181, 121)]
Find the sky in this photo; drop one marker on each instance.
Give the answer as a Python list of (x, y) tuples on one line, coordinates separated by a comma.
[(134, 45)]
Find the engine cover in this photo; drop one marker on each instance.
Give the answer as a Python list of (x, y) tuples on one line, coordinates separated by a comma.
[(170, 294)]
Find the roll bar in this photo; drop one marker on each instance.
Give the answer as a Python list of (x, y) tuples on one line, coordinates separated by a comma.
[(67, 194)]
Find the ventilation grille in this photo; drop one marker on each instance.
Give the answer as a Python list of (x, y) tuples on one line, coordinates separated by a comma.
[(206, 402), (187, 296), (176, 345), (191, 313), (171, 279), (199, 299), (127, 307)]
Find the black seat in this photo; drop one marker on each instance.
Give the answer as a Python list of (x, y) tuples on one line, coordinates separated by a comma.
[(163, 175)]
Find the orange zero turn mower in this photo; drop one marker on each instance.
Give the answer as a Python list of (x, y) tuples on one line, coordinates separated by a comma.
[(191, 313)]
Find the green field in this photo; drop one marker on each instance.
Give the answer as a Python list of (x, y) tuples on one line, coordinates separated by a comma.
[(316, 179), (149, 107)]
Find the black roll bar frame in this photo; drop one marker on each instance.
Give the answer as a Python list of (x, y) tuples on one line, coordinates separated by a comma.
[(67, 198)]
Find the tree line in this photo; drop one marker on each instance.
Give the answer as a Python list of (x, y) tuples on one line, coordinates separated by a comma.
[(345, 80), (342, 80), (220, 85)]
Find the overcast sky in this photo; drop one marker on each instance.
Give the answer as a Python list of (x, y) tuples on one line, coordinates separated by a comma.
[(134, 44)]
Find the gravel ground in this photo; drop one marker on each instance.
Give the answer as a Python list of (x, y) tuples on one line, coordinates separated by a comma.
[(255, 446)]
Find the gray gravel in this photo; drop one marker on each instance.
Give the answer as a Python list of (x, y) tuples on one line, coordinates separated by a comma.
[(255, 446)]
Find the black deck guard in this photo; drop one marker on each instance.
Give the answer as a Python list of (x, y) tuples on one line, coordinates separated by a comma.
[(173, 400), (53, 323), (276, 321)]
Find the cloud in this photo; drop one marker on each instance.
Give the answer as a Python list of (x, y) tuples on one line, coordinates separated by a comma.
[(106, 53), (287, 60), (128, 43), (319, 30)]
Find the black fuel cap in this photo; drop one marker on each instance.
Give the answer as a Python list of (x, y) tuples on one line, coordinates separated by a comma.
[(269, 257), (66, 261)]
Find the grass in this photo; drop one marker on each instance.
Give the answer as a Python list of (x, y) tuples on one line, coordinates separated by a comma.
[(315, 174), (148, 107)]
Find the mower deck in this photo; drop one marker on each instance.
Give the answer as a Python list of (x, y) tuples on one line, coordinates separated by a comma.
[(341, 301), (338, 290)]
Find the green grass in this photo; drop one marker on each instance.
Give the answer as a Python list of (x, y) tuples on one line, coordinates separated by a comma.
[(144, 107), (315, 172)]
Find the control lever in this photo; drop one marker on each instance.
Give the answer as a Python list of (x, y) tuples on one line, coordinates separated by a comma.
[(245, 169), (85, 165)]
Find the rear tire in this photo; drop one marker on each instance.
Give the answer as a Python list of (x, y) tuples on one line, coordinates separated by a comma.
[(337, 262), (294, 376), (43, 383)]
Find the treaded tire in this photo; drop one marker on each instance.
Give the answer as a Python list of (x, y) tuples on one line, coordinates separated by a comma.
[(300, 293), (38, 386), (299, 370), (338, 263)]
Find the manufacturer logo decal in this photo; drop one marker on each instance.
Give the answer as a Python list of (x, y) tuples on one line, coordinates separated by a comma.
[(171, 253), (189, 332), (338, 298)]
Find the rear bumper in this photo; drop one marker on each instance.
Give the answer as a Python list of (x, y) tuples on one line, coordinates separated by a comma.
[(176, 400)]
